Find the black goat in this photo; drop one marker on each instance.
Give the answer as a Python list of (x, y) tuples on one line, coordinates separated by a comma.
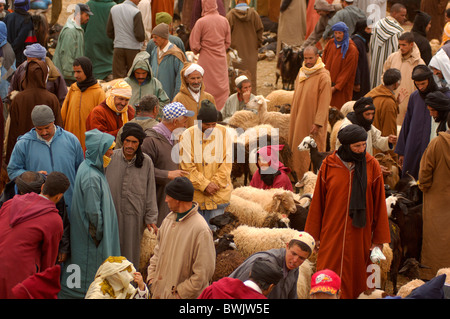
[(397, 253), (411, 269), (316, 156), (290, 60), (410, 189), (297, 220)]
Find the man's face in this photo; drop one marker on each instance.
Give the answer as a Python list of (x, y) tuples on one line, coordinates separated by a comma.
[(400, 16), (194, 81), (433, 112), (246, 87), (421, 85), (172, 204), (437, 72), (130, 146), (181, 122), (339, 35), (84, 18), (2, 7), (295, 256), (160, 42), (359, 147), (428, 27), (310, 58), (208, 126), (109, 152), (405, 47), (369, 115), (46, 131), (120, 102), (79, 73), (140, 75)]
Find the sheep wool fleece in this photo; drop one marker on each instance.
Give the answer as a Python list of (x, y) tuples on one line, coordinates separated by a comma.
[(344, 248)]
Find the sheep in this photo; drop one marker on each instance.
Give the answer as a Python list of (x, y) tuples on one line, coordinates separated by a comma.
[(253, 214), (308, 143), (278, 97), (271, 200), (411, 268), (276, 119), (385, 265), (244, 119), (373, 293), (407, 288), (307, 184), (290, 59), (148, 244), (227, 257), (345, 109), (284, 108)]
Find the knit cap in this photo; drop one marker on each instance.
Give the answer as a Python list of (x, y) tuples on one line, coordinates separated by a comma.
[(42, 115), (161, 30)]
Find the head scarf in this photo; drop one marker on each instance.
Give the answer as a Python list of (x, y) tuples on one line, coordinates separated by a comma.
[(422, 72), (441, 103), (306, 72), (194, 67), (122, 89), (35, 50), (356, 117), (441, 62), (360, 31), (86, 65), (270, 154), (27, 187), (135, 130), (341, 26), (351, 134)]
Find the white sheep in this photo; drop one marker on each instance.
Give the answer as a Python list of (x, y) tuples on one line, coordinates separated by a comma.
[(276, 119), (407, 288), (307, 184), (244, 119), (279, 97)]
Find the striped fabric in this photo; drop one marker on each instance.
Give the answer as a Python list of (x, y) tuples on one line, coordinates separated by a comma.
[(384, 42)]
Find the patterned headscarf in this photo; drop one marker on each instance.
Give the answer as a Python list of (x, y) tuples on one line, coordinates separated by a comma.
[(341, 26)]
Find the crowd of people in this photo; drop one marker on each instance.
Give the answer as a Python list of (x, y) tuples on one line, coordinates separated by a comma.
[(151, 149)]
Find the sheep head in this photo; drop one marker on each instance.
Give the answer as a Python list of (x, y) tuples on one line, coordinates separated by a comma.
[(257, 103), (282, 203), (307, 143)]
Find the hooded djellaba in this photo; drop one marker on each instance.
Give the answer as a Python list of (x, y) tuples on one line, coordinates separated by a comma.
[(439, 102), (419, 29), (34, 93)]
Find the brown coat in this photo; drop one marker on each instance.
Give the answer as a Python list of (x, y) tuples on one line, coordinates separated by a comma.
[(246, 37), (185, 97), (434, 181), (342, 71), (310, 105), (34, 93), (344, 248)]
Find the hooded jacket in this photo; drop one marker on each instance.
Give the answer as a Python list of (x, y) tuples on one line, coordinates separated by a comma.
[(93, 220), (421, 22), (230, 288), (386, 110), (185, 97), (151, 85), (34, 93), (31, 229), (280, 181)]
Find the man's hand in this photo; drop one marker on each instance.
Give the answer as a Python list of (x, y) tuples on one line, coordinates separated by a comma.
[(385, 170), (177, 173), (402, 94), (333, 89), (314, 130), (392, 139), (211, 189), (152, 227)]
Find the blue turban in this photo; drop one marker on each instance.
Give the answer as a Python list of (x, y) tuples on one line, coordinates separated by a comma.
[(3, 34), (35, 50), (23, 4), (341, 26)]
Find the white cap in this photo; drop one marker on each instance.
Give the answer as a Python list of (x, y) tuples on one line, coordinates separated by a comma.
[(194, 67), (239, 79)]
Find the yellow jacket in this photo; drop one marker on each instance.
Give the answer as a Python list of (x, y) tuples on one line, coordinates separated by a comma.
[(207, 159), (77, 106)]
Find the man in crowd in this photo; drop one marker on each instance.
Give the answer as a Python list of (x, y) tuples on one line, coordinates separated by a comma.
[(110, 115), (310, 106), (146, 113), (131, 180), (85, 94), (192, 90), (164, 17), (184, 257), (166, 61), (349, 15), (140, 78), (405, 59), (205, 153), (246, 37), (385, 34), (126, 28), (94, 228), (31, 231), (416, 130), (325, 284), (297, 250), (348, 211), (71, 42), (341, 59), (160, 144), (238, 101), (47, 148)]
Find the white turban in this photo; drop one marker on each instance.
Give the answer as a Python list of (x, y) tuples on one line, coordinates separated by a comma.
[(194, 67)]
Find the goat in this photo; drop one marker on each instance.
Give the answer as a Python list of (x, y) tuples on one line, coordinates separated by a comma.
[(397, 252), (227, 257), (408, 217), (317, 157), (183, 34), (297, 219), (409, 188), (411, 269), (290, 60), (387, 161)]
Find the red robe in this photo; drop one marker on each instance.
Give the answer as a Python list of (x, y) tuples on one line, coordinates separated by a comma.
[(230, 288), (281, 181), (342, 71), (30, 231), (106, 120), (344, 248)]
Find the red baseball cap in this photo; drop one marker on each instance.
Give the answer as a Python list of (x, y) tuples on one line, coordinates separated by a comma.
[(325, 281)]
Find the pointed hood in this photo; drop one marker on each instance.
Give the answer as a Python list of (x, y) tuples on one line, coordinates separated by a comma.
[(97, 143), (242, 15), (29, 206), (209, 7), (35, 75), (421, 21), (141, 61)]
